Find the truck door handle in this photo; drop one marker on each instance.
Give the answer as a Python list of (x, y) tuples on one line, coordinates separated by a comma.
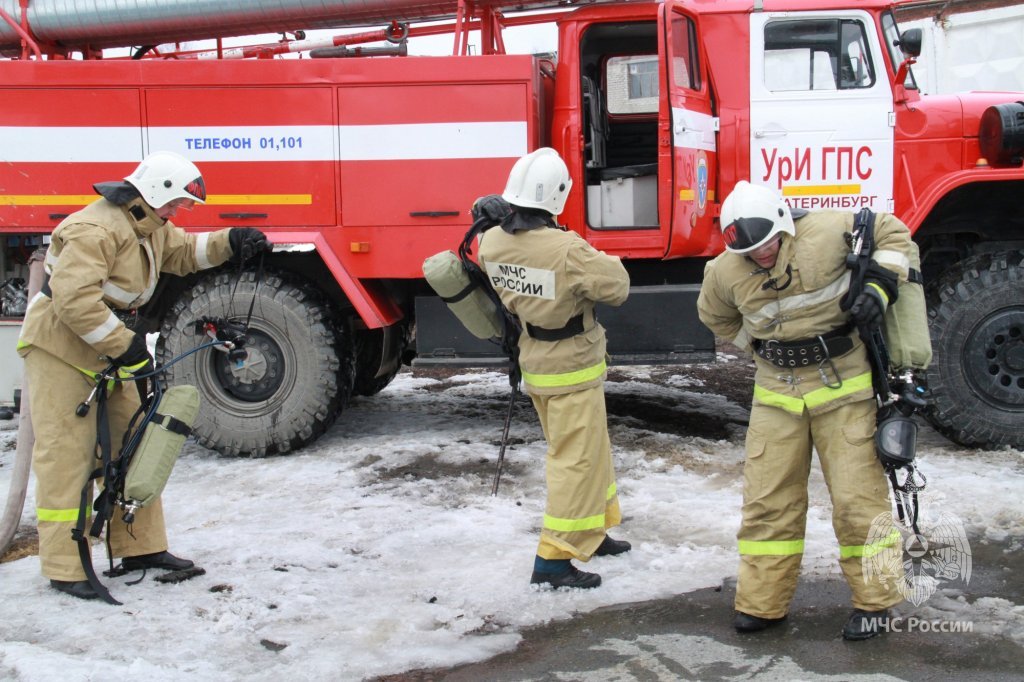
[(770, 133), (433, 214), (243, 216)]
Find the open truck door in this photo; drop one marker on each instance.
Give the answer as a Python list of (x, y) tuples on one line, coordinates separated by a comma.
[(688, 159)]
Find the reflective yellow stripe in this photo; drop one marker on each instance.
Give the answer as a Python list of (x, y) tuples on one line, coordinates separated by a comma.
[(612, 489), (881, 292), (46, 199), (58, 515), (890, 540), (22, 344), (570, 525), (771, 547), (773, 399), (824, 394), (580, 376), (217, 199), (94, 376), (126, 370), (812, 399)]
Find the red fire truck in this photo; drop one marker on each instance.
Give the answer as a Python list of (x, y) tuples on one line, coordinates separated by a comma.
[(364, 161)]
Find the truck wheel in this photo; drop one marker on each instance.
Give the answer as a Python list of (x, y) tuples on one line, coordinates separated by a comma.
[(976, 379), (291, 387)]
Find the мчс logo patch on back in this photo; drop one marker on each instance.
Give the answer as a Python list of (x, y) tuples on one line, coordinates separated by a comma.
[(523, 280)]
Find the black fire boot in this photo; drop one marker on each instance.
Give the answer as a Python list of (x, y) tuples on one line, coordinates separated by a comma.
[(865, 624), (164, 560), (76, 588), (609, 547), (574, 577), (744, 622)]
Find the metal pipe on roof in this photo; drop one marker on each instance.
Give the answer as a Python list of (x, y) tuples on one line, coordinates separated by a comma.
[(98, 24)]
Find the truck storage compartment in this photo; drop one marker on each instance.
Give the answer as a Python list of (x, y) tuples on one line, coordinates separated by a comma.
[(417, 149)]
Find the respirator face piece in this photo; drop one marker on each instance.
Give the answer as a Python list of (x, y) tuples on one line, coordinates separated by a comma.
[(896, 441)]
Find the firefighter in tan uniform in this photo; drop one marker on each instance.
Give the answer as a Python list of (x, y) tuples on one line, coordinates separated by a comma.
[(103, 258), (776, 291), (550, 279)]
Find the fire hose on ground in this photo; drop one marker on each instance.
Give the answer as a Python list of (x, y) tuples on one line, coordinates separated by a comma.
[(26, 436)]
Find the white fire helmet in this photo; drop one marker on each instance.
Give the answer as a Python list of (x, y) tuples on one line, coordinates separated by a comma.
[(163, 177), (539, 180), (751, 216)]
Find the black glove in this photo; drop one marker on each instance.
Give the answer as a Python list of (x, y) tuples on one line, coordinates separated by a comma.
[(868, 309), (246, 242), (135, 360), (492, 207), (880, 289)]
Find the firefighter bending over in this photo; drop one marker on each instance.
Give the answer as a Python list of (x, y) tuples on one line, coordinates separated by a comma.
[(106, 258), (551, 278), (776, 291)]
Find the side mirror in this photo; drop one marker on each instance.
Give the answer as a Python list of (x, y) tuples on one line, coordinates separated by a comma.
[(910, 42)]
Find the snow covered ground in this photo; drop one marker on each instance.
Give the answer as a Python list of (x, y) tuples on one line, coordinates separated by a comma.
[(379, 549)]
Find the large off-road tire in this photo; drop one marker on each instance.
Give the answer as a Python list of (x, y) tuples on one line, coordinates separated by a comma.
[(976, 378), (295, 380)]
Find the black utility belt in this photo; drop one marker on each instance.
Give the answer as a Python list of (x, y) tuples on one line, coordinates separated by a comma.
[(573, 327), (805, 352)]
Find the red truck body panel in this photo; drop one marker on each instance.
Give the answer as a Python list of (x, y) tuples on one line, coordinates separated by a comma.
[(383, 154)]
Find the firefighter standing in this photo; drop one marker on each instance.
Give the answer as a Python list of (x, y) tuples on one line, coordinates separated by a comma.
[(106, 258), (776, 291), (551, 278)]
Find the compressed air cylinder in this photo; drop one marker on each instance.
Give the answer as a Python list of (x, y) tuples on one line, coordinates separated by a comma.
[(464, 297), (906, 324), (160, 446)]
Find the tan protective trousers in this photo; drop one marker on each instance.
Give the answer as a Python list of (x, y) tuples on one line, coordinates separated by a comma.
[(64, 455), (778, 463), (582, 500)]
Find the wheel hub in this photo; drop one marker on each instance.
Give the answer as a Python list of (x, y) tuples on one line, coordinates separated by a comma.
[(257, 377), (994, 358)]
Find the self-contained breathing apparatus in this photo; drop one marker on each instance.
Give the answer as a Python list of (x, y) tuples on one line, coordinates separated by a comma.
[(149, 447), (895, 351), (463, 286)]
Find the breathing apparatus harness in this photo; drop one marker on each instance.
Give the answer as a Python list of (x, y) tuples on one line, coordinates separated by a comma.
[(484, 219), (897, 392), (150, 444)]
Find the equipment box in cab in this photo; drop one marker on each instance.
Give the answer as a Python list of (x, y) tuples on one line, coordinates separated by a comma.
[(626, 197)]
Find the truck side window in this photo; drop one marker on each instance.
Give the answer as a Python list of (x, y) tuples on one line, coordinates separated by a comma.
[(684, 53), (817, 54)]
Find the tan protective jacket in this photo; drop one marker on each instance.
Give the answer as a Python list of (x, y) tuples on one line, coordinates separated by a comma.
[(106, 257), (736, 304), (546, 277)]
